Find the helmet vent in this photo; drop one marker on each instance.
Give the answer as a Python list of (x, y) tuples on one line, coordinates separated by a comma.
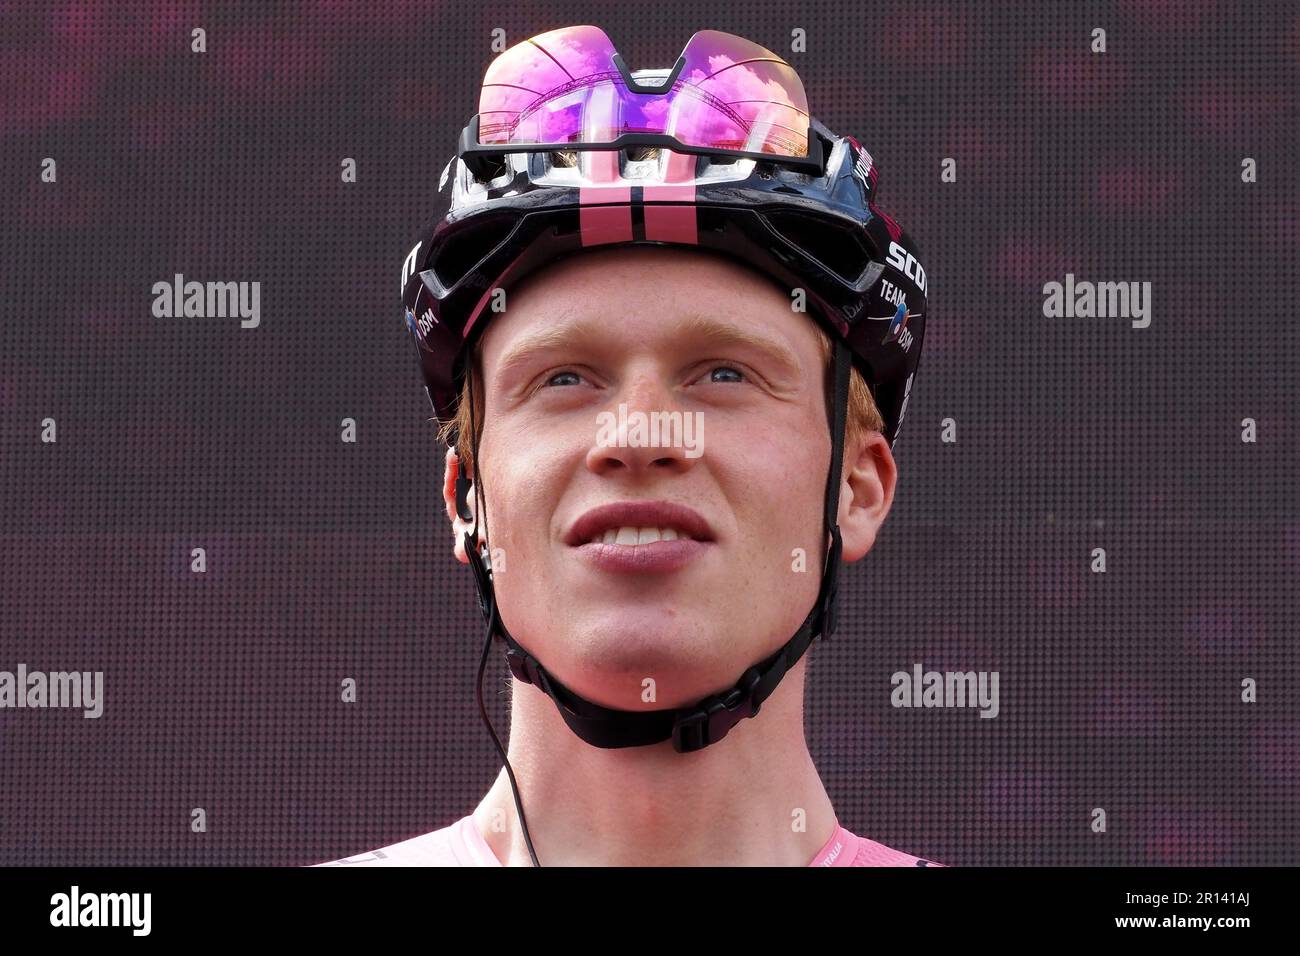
[(839, 250), (453, 260)]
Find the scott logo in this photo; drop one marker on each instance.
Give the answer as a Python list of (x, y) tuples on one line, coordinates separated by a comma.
[(906, 263)]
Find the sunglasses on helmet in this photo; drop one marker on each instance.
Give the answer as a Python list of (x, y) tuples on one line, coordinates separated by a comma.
[(569, 89)]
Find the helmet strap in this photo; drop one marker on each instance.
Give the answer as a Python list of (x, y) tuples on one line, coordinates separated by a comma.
[(463, 481)]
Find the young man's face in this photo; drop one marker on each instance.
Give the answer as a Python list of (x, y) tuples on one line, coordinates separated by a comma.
[(648, 328)]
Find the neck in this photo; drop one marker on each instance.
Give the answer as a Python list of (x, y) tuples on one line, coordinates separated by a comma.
[(752, 799)]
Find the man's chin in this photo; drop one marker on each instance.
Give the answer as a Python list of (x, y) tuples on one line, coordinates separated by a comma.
[(656, 689), (642, 665)]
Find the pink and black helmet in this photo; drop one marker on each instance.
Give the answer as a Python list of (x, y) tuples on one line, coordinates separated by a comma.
[(549, 167)]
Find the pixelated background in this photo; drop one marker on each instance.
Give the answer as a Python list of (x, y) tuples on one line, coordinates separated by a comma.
[(1119, 690)]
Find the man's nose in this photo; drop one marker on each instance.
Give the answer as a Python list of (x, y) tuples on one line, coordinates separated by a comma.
[(643, 427)]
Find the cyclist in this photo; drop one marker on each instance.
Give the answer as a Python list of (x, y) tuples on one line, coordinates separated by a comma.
[(670, 340)]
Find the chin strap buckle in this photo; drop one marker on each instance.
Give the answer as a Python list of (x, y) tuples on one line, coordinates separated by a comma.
[(523, 667), (715, 716)]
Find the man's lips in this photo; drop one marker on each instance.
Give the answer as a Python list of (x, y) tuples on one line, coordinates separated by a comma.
[(655, 557), (687, 522)]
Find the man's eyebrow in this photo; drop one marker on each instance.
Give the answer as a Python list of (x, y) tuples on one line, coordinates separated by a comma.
[(694, 326), (723, 334), (572, 335)]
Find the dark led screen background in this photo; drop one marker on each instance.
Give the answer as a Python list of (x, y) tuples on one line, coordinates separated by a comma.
[(1013, 151)]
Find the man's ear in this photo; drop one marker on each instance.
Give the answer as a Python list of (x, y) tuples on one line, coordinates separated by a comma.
[(866, 493), (459, 527)]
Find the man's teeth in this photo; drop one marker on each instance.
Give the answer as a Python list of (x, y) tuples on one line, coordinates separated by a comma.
[(631, 536)]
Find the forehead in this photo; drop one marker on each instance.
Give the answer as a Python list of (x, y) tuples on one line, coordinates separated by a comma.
[(648, 295)]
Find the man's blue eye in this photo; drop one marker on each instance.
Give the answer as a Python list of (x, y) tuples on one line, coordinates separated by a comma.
[(575, 377), (727, 368)]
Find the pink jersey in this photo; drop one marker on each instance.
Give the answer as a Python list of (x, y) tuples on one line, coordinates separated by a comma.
[(461, 844)]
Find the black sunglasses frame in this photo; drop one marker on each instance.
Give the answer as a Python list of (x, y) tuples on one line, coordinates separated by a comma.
[(480, 157)]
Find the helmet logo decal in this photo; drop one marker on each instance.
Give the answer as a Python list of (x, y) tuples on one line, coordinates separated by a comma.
[(422, 326), (898, 330), (863, 169), (409, 265), (906, 263), (902, 409)]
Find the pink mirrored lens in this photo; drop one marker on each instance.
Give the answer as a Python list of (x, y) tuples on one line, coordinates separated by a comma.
[(758, 100), (563, 87), (525, 87)]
